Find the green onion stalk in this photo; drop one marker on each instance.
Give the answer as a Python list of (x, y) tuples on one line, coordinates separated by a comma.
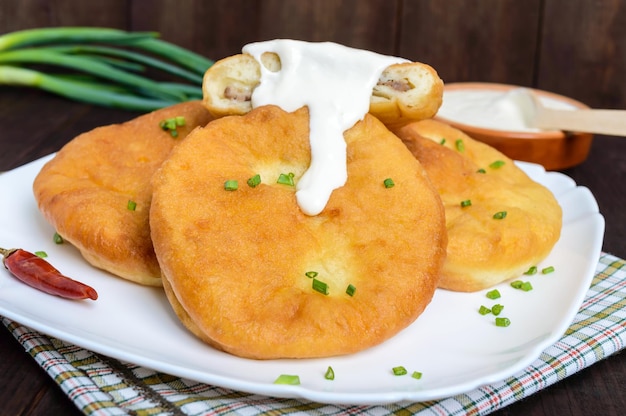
[(102, 66)]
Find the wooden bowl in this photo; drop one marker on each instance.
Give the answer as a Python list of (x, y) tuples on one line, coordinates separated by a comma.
[(553, 149)]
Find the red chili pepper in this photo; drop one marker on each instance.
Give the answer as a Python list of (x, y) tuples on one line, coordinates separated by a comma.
[(38, 273)]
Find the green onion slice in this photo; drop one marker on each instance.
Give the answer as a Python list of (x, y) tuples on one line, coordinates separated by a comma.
[(350, 290), (532, 270), (460, 146), (311, 274), (466, 203), (493, 294), (330, 373), (503, 322), (254, 181), (497, 164), (526, 287), (483, 310), (442, 141), (399, 371), (416, 375), (289, 379), (41, 254), (285, 179), (320, 286), (231, 185), (388, 183), (500, 215), (496, 309), (57, 238), (547, 270), (481, 170), (131, 205)]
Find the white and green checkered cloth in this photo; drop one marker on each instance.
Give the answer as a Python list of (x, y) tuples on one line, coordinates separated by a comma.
[(100, 385)]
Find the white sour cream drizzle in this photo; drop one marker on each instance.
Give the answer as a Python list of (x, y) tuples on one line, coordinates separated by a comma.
[(500, 110), (336, 83)]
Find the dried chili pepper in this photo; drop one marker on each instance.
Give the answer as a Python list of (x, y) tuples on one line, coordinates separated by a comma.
[(38, 273)]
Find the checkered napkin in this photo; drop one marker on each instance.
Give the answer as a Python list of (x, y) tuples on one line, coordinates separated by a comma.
[(99, 385)]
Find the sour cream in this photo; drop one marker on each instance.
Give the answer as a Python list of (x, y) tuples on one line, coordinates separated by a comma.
[(335, 82), (500, 110)]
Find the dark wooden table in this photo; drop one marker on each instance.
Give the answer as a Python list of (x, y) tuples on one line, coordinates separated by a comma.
[(34, 124)]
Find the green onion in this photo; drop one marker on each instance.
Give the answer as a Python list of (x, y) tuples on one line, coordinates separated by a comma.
[(493, 294), (442, 141), (532, 270), (500, 215), (496, 309), (285, 179), (254, 181), (311, 274), (171, 124), (517, 284), (287, 379), (131, 205), (41, 254), (466, 203), (526, 287), (497, 164), (416, 375), (483, 310), (57, 238), (330, 373), (111, 59), (503, 322), (481, 170), (320, 286), (231, 185), (460, 146), (547, 270), (350, 290), (388, 183), (399, 371)]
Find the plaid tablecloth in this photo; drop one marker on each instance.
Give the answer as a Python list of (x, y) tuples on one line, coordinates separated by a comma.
[(99, 385)]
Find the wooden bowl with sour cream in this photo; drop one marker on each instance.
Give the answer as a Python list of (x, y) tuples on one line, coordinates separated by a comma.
[(487, 112)]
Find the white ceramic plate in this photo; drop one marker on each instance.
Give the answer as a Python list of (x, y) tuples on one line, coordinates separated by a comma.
[(455, 347)]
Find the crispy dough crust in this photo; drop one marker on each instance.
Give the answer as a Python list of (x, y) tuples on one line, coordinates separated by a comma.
[(234, 262), (483, 251), (405, 92), (84, 190)]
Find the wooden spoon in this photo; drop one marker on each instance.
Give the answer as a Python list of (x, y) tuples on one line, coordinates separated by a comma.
[(610, 122)]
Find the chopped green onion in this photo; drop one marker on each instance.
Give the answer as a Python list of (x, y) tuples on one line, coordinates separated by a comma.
[(496, 309), (517, 284), (171, 124), (416, 375), (497, 164), (460, 146), (532, 270), (547, 270), (483, 310), (388, 183), (503, 322), (41, 254), (231, 185), (330, 373), (525, 286), (254, 181), (292, 380), (500, 215), (350, 290), (481, 170), (399, 371), (57, 238), (466, 203), (311, 274), (442, 141), (286, 179), (320, 286), (493, 294), (131, 205)]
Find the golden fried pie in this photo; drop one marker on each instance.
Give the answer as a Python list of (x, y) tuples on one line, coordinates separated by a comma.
[(405, 91), (249, 273), (499, 221), (96, 190)]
